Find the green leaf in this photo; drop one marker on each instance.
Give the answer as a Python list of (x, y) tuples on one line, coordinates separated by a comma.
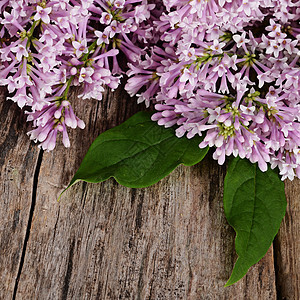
[(137, 153), (254, 204)]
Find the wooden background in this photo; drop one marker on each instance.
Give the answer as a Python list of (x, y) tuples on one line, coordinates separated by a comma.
[(105, 241)]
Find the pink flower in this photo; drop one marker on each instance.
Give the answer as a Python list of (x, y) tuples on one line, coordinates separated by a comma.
[(80, 47), (105, 18), (42, 14), (85, 75), (102, 37), (20, 50)]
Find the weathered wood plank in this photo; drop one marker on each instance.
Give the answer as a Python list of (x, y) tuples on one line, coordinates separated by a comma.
[(105, 241), (165, 242), (287, 246), (18, 158)]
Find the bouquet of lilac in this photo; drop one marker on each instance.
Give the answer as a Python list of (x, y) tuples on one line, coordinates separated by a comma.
[(49, 46), (230, 71), (224, 73)]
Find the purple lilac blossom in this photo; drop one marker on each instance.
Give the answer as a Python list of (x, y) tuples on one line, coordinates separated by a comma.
[(47, 47), (224, 69), (228, 70)]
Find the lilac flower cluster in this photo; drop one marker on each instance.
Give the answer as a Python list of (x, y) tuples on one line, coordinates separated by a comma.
[(224, 69), (228, 70), (46, 47)]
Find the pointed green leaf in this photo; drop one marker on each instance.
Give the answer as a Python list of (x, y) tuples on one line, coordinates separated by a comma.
[(254, 204), (137, 153)]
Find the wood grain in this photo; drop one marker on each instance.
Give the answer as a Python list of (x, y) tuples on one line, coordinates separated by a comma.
[(105, 241), (18, 158), (287, 246)]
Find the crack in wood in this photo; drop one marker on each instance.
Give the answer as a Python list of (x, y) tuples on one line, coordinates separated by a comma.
[(68, 275), (153, 276), (29, 223), (55, 226), (96, 116), (278, 289)]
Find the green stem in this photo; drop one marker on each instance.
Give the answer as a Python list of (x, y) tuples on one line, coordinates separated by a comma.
[(91, 48), (30, 32), (34, 24), (65, 94)]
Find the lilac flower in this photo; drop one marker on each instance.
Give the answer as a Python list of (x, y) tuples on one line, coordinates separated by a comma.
[(47, 48), (102, 37), (105, 18), (20, 50), (42, 14), (224, 70), (228, 80), (80, 47), (85, 74)]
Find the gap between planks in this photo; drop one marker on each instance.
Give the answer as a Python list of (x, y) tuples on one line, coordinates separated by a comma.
[(276, 269), (29, 222)]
